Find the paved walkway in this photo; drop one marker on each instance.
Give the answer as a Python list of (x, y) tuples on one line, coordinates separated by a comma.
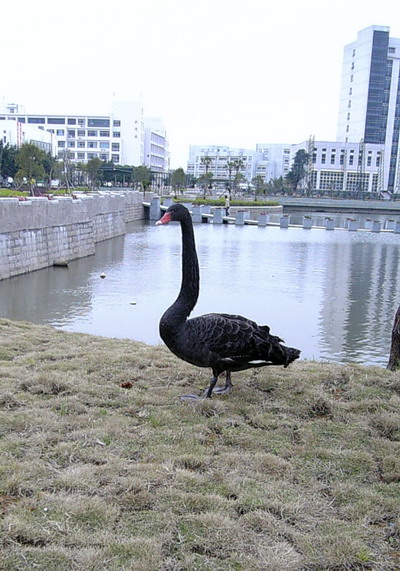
[(338, 205)]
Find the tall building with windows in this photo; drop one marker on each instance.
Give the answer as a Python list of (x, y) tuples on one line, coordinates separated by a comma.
[(369, 108)]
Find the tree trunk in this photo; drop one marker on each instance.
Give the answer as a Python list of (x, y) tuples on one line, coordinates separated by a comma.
[(394, 359)]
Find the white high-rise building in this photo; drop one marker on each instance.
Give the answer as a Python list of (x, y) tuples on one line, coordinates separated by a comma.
[(369, 109)]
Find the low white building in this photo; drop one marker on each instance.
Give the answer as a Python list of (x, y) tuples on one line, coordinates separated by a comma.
[(119, 137), (220, 157), (13, 132), (273, 160), (343, 166), (156, 152)]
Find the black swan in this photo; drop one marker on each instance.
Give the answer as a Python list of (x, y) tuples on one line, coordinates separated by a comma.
[(217, 340)]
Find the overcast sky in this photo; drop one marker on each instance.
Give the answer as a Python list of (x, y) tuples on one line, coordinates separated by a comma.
[(226, 72)]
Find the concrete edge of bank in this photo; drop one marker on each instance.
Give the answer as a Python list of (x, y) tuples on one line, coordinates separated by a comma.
[(39, 233)]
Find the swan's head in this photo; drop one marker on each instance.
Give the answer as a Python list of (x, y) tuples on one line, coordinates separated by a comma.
[(175, 213)]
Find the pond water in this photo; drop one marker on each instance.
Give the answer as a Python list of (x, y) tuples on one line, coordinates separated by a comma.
[(331, 294)]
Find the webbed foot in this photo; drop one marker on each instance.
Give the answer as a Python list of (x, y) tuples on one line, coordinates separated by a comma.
[(222, 390), (190, 397)]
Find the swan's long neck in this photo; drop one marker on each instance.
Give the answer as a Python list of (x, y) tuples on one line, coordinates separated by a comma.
[(189, 291), (176, 315)]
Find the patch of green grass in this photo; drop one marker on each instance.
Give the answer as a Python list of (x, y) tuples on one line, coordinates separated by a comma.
[(8, 192), (296, 469)]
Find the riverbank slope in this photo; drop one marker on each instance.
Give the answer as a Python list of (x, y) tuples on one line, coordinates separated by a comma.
[(104, 467)]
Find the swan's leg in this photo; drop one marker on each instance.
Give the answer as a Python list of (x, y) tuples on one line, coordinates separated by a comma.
[(212, 385), (208, 391), (228, 385)]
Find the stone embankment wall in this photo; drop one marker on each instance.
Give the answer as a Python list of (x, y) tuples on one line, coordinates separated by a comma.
[(39, 232)]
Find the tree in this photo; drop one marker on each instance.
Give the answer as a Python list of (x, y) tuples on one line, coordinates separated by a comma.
[(30, 160), (52, 168), (141, 176), (206, 180), (259, 185), (298, 170), (237, 165), (394, 358), (230, 165), (93, 169), (205, 177), (8, 160), (178, 180)]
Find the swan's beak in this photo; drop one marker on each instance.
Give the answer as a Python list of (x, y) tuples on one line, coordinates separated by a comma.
[(165, 219)]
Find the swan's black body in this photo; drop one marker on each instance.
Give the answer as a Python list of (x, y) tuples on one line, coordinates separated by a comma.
[(217, 340)]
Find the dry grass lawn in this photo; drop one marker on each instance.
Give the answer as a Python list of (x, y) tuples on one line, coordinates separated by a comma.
[(103, 467)]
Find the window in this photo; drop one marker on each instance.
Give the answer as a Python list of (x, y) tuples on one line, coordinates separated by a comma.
[(71, 133), (98, 122), (92, 144), (352, 65), (81, 132), (116, 134), (104, 157), (60, 133), (351, 79), (115, 146), (55, 121), (71, 144), (81, 122), (104, 133), (369, 161), (36, 120), (71, 155), (351, 160), (347, 129), (81, 156), (92, 156), (21, 119), (115, 158), (349, 105), (81, 144), (92, 133), (104, 145), (71, 121), (61, 144), (351, 91), (333, 158), (348, 116), (117, 123), (323, 159)]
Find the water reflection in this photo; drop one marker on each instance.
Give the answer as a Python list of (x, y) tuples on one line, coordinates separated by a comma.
[(332, 294)]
